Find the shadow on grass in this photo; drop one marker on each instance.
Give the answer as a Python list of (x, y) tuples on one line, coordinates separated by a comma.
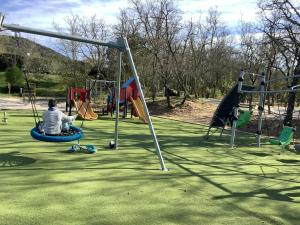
[(260, 154), (289, 161), (79, 169), (274, 194), (13, 160)]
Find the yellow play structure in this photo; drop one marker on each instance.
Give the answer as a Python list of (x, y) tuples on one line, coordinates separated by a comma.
[(139, 109), (85, 110)]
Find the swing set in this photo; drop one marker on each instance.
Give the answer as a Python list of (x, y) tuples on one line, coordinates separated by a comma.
[(287, 133), (121, 45)]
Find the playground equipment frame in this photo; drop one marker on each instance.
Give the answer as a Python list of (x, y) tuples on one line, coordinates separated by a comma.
[(262, 92), (92, 84), (122, 46)]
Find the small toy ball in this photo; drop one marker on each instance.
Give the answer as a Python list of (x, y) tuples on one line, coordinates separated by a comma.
[(111, 144)]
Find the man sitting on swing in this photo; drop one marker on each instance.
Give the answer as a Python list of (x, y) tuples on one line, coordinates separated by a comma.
[(55, 121)]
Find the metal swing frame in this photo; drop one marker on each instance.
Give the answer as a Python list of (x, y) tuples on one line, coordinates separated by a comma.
[(122, 46), (262, 93)]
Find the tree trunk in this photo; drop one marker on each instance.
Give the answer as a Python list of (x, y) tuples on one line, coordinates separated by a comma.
[(195, 87), (184, 98), (168, 101), (269, 76), (250, 99), (168, 97), (154, 91), (292, 98)]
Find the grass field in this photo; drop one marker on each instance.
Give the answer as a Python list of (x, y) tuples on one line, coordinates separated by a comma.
[(46, 85), (207, 183), (49, 85)]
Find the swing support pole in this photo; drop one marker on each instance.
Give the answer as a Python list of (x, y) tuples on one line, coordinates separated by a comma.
[(236, 109), (260, 108), (138, 84), (118, 100)]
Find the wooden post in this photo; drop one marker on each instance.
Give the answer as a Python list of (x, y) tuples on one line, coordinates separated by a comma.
[(9, 87), (5, 119)]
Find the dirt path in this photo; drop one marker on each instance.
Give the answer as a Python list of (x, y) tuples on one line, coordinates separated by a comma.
[(195, 111), (10, 103), (202, 110)]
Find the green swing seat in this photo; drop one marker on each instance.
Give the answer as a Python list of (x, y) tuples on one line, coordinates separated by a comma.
[(244, 119), (285, 137)]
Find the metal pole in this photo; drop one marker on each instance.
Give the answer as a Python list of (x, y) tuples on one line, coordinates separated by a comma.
[(1, 19), (233, 128), (240, 81), (271, 92), (118, 100), (29, 30), (260, 108), (158, 152), (236, 109), (283, 78), (252, 74)]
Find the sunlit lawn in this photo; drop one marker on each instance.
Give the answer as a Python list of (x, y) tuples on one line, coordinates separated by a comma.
[(207, 183)]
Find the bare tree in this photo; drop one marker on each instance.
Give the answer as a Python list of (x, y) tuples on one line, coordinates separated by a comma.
[(251, 52), (71, 49), (219, 52), (95, 55), (158, 21), (283, 17)]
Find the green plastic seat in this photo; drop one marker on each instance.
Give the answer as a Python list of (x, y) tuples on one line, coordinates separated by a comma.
[(285, 137), (244, 119)]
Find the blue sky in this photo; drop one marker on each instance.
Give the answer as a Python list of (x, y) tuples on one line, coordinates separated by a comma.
[(42, 13)]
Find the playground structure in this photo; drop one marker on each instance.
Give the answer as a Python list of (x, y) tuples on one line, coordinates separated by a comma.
[(229, 110), (79, 97), (122, 46), (85, 110), (75, 93), (129, 94), (98, 90), (224, 112)]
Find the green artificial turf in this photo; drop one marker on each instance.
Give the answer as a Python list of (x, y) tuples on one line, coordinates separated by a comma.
[(207, 183)]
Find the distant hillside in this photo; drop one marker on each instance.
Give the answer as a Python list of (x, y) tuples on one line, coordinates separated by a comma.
[(41, 58), (9, 42)]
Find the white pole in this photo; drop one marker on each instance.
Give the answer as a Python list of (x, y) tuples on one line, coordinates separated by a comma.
[(241, 79), (118, 100), (158, 152), (233, 128), (236, 109), (17, 28), (260, 108), (271, 92)]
